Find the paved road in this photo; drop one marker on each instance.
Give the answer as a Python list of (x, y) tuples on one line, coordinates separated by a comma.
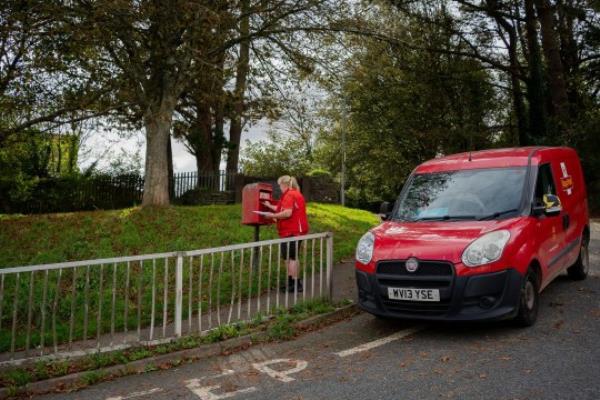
[(366, 358)]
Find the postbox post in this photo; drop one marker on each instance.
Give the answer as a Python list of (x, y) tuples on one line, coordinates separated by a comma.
[(256, 239)]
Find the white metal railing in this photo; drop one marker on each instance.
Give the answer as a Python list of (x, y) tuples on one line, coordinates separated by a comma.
[(73, 308)]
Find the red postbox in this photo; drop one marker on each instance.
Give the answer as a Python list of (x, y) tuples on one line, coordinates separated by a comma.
[(252, 197)]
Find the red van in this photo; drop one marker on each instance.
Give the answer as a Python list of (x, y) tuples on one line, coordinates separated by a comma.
[(477, 236)]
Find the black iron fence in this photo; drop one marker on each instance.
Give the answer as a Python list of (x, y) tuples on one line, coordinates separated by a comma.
[(183, 182), (106, 192)]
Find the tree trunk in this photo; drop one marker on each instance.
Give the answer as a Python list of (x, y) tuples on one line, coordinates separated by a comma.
[(569, 55), (73, 149), (535, 83), (205, 145), (157, 122), (170, 168), (522, 136), (59, 158), (218, 137), (556, 81), (235, 129)]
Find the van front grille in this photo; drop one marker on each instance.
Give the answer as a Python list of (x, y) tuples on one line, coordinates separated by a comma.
[(417, 307), (435, 268)]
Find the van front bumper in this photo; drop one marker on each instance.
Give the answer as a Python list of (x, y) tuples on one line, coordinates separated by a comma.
[(488, 296)]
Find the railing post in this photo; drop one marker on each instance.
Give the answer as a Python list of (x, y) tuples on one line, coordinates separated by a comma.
[(178, 293), (330, 264)]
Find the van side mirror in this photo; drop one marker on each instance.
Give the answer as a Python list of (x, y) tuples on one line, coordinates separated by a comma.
[(385, 211), (550, 206)]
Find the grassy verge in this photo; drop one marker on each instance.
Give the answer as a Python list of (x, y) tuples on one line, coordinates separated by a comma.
[(124, 290), (38, 239), (280, 327)]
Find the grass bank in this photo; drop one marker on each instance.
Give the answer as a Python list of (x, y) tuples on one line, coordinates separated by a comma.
[(85, 303), (37, 239)]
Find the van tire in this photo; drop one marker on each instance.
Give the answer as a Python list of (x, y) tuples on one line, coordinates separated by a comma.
[(529, 300), (579, 270)]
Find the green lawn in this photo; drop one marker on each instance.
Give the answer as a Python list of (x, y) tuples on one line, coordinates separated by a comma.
[(120, 296), (37, 239)]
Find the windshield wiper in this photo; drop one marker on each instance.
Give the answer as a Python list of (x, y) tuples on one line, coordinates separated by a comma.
[(446, 218), (497, 214)]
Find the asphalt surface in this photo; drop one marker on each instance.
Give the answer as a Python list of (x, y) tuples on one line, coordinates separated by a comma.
[(557, 358)]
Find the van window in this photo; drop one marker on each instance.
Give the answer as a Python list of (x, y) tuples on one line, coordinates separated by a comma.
[(467, 194), (545, 183)]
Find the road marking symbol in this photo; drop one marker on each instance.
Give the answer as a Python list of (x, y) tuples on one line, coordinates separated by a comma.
[(205, 392), (379, 342), (282, 376), (136, 394)]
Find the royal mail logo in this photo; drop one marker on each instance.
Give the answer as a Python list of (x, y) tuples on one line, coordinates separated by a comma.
[(566, 180)]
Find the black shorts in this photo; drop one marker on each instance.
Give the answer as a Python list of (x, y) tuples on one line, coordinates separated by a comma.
[(292, 247)]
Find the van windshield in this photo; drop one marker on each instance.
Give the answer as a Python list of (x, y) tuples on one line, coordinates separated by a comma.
[(463, 195)]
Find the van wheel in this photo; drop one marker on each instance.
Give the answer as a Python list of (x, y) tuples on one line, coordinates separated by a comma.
[(579, 270), (529, 300)]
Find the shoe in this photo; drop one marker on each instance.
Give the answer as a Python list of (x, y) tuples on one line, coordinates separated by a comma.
[(288, 286), (300, 288)]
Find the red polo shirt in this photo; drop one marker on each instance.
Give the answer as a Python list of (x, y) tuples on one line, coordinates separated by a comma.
[(297, 223)]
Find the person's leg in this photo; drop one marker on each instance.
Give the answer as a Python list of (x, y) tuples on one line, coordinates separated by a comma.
[(285, 254), (294, 266), (293, 269)]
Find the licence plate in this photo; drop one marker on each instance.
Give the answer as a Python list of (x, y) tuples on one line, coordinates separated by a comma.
[(409, 294)]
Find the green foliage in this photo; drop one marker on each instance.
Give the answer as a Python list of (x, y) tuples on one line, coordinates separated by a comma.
[(29, 157), (279, 155), (16, 377), (319, 173), (399, 107), (282, 328), (89, 378)]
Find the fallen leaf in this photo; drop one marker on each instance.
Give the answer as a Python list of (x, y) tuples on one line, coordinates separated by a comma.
[(558, 324)]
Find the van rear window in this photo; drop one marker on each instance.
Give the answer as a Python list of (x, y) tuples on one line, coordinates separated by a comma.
[(467, 194)]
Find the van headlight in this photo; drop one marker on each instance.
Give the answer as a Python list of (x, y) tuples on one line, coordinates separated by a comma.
[(364, 248), (486, 249)]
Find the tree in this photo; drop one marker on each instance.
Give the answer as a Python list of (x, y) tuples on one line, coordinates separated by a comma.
[(279, 155), (42, 84), (400, 107)]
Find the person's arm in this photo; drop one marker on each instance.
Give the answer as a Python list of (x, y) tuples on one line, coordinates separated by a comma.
[(270, 206), (287, 204), (283, 214)]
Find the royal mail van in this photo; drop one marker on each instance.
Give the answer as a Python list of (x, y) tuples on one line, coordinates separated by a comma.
[(477, 236)]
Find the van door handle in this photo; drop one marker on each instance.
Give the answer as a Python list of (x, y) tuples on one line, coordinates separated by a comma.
[(566, 221)]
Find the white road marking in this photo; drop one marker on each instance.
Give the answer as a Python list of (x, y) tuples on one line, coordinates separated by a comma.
[(136, 394), (282, 376), (379, 342), (205, 392), (226, 372)]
